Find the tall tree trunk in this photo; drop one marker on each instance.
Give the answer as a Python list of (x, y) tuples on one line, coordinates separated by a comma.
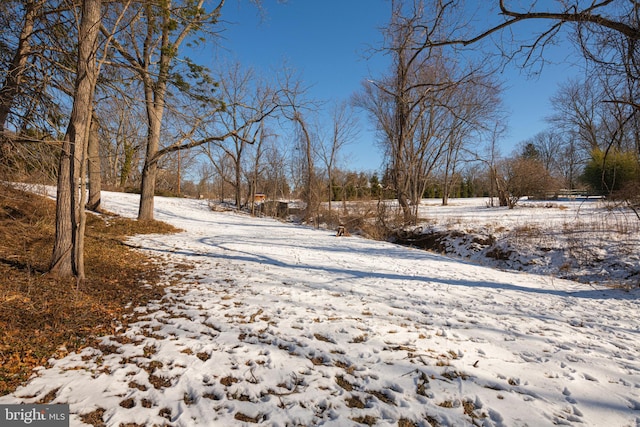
[(402, 168), (128, 152), (330, 178), (153, 50), (447, 170), (62, 263), (503, 196), (150, 168), (15, 73), (310, 195), (93, 159), (238, 178), (68, 241), (147, 191), (154, 94), (80, 207)]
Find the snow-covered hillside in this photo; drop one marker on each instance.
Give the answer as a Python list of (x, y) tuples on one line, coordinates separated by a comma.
[(282, 325), (587, 240)]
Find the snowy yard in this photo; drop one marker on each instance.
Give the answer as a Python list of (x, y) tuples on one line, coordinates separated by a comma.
[(283, 325), (586, 240)]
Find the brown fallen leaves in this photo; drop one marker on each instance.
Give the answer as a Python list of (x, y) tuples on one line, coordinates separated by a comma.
[(41, 316)]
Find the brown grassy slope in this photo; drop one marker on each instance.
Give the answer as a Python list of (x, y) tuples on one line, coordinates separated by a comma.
[(39, 314)]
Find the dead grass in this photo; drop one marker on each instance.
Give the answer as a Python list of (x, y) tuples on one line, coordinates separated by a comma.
[(41, 316)]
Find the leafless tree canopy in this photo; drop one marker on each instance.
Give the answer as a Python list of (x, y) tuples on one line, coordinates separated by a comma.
[(606, 32), (428, 104)]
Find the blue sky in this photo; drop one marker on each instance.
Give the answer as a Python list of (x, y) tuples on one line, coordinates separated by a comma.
[(330, 43)]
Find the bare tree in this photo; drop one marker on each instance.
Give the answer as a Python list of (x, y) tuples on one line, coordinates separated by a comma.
[(255, 171), (550, 147), (395, 103), (593, 124), (407, 95), (519, 176), (149, 45), (296, 109), (305, 145), (474, 109), (496, 187), (410, 105), (205, 175), (605, 33), (246, 97), (223, 166), (343, 131), (122, 139), (275, 179)]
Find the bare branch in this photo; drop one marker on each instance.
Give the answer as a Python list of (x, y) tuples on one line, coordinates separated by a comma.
[(586, 15)]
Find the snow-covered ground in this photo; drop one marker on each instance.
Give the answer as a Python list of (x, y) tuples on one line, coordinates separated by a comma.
[(587, 240), (283, 325)]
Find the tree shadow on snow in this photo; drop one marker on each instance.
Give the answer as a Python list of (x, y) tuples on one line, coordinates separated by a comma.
[(226, 251)]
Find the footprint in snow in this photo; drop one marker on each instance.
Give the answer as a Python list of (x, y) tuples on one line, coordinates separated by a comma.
[(568, 397), (531, 357), (568, 416)]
